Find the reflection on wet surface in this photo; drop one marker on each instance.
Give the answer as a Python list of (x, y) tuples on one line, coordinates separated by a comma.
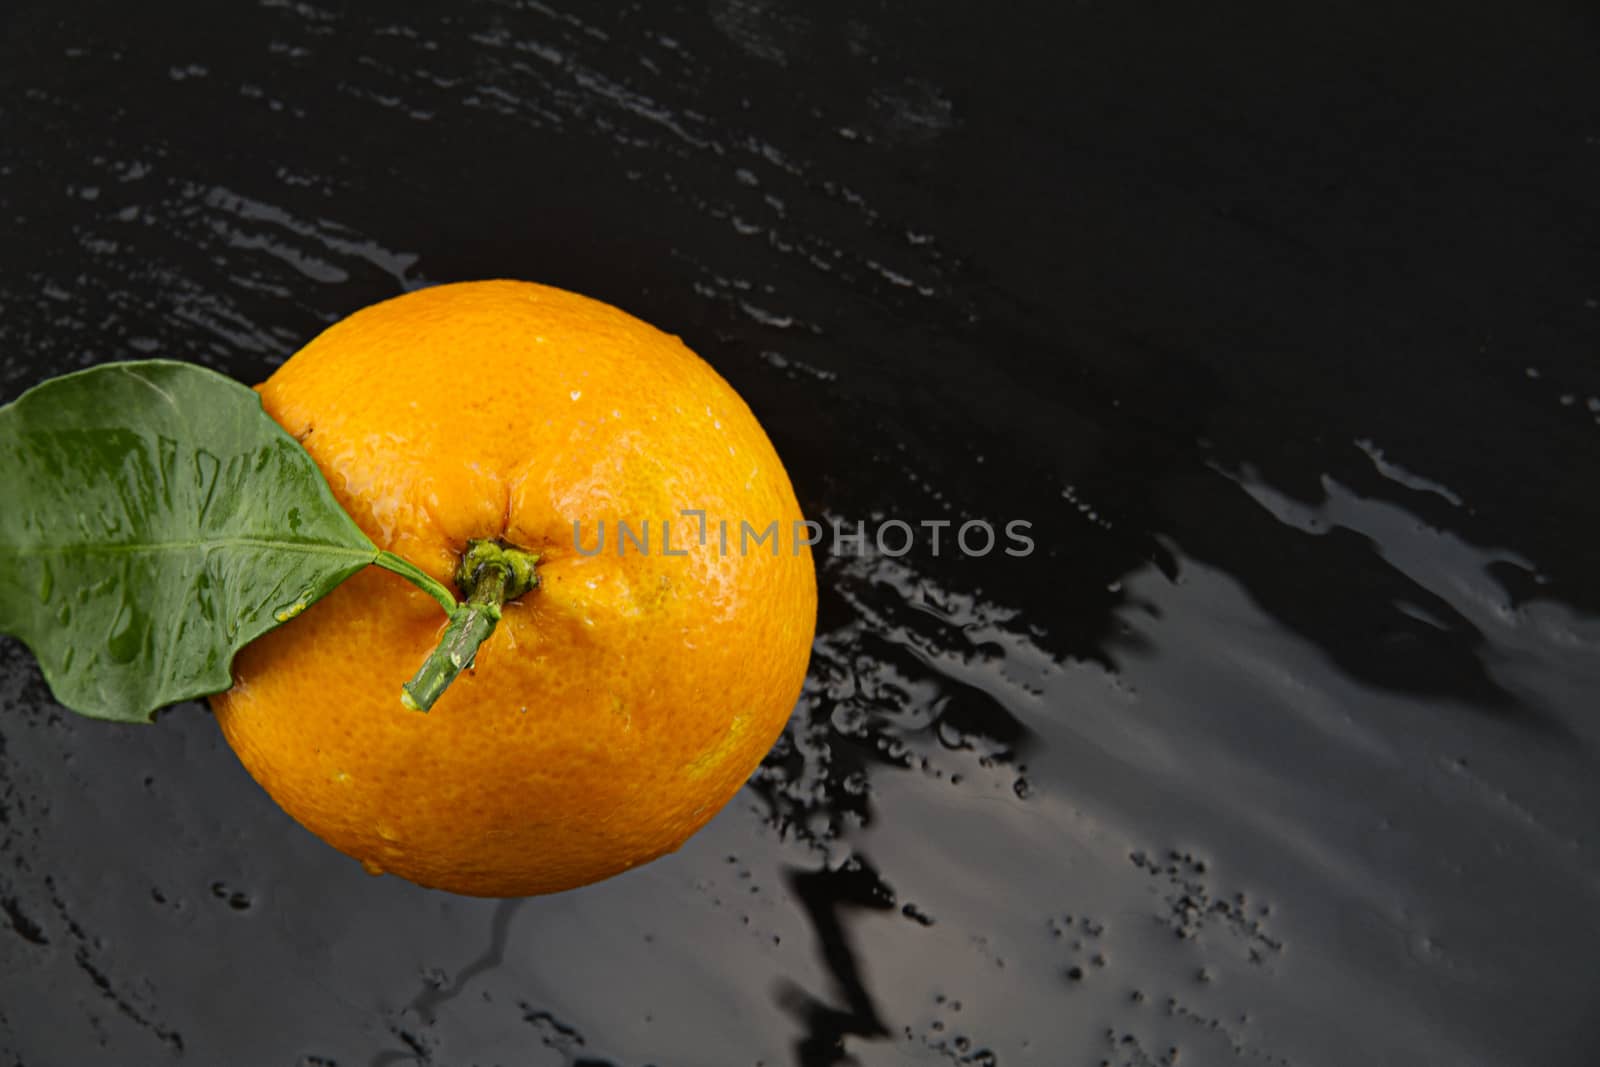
[(1279, 749), (963, 845)]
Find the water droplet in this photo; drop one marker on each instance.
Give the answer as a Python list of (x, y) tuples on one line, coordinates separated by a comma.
[(202, 596), (47, 583), (284, 614), (235, 899), (126, 636), (166, 465), (387, 832), (206, 467), (372, 868)]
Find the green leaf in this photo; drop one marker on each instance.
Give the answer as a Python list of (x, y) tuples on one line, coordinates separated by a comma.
[(153, 521)]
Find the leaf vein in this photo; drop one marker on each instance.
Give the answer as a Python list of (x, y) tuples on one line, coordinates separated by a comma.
[(306, 547)]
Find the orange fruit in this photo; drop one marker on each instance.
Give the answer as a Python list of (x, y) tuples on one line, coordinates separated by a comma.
[(618, 705)]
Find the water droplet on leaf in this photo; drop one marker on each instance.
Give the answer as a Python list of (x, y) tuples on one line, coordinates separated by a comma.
[(127, 633), (284, 614)]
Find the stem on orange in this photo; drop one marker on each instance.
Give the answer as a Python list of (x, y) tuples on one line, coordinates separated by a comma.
[(490, 574)]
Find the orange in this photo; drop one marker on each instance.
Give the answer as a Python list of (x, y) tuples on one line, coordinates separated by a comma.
[(618, 705)]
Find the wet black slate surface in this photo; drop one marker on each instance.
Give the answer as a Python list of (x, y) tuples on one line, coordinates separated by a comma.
[(1279, 325)]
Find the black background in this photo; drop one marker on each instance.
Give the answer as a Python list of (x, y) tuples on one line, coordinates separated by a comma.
[(1279, 322)]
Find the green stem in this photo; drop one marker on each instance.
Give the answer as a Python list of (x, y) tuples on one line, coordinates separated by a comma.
[(419, 578), (469, 627), (490, 574)]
